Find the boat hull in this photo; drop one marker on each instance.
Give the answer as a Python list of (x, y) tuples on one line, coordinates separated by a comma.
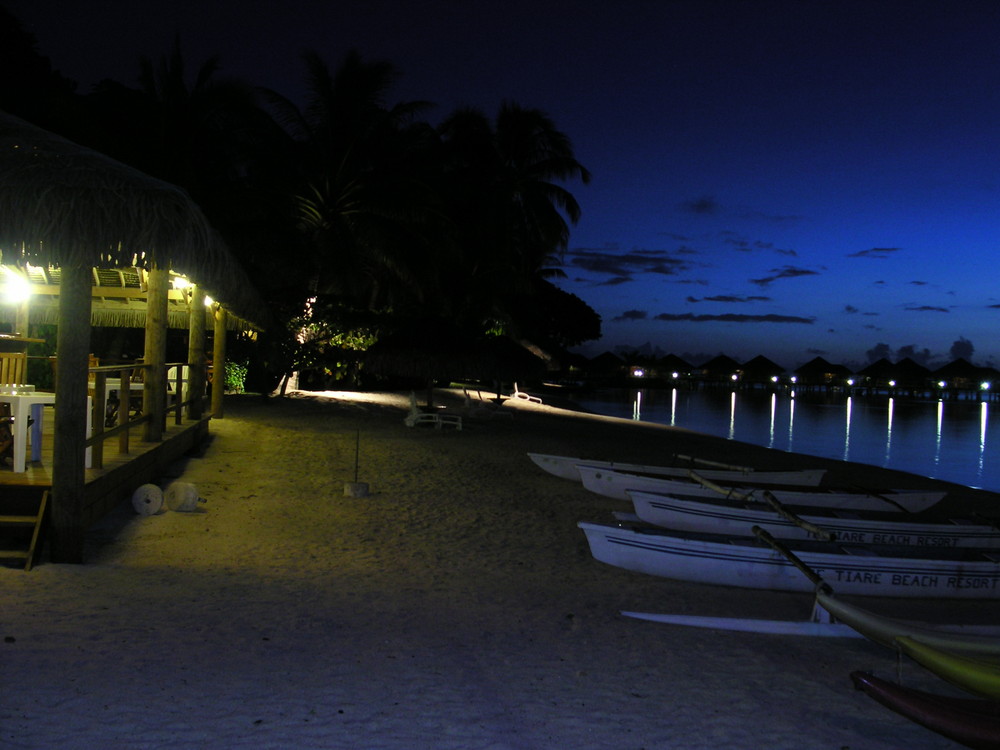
[(977, 672), (617, 485), (885, 630), (973, 723), (720, 516), (566, 468), (744, 562)]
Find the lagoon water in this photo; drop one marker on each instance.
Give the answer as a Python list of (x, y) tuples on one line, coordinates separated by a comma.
[(956, 440)]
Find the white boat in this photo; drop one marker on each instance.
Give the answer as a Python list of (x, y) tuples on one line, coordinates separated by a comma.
[(720, 515), (617, 485), (566, 468), (851, 622), (885, 630), (865, 570)]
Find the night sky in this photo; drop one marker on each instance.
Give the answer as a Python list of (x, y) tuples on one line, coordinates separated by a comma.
[(790, 179)]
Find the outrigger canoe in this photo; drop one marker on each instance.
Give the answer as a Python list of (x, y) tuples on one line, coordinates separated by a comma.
[(866, 570), (970, 722), (970, 639), (566, 468), (617, 485), (720, 515), (973, 671)]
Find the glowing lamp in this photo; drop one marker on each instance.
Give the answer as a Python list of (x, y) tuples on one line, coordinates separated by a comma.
[(15, 289)]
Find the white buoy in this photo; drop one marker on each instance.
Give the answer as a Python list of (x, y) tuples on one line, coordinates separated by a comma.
[(182, 497), (147, 500)]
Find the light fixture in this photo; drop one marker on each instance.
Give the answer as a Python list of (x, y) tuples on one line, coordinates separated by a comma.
[(15, 289)]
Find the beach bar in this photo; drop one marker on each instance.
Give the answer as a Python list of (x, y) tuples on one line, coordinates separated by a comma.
[(71, 218)]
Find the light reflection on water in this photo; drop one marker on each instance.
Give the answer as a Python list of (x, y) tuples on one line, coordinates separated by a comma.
[(952, 440)]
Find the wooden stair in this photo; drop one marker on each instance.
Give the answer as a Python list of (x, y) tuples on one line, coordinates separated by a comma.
[(34, 522)]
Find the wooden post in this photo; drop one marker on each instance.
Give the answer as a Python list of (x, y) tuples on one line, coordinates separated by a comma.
[(154, 394), (68, 476), (219, 362), (196, 352)]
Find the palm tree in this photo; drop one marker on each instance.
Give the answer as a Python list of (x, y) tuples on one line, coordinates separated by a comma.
[(365, 199), (513, 211)]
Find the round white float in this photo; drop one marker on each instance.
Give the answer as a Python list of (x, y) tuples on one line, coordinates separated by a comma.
[(147, 500), (182, 497)]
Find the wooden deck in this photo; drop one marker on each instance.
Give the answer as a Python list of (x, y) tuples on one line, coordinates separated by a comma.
[(115, 481)]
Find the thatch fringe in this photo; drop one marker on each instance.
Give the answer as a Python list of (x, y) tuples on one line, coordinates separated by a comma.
[(62, 204)]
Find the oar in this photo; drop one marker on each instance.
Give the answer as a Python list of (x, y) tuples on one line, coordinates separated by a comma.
[(889, 500), (781, 510), (709, 484), (987, 521), (714, 464), (809, 573)]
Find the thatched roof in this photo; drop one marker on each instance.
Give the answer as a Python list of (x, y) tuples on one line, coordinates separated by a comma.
[(62, 204)]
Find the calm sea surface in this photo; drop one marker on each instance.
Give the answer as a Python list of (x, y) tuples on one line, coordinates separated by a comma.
[(958, 441)]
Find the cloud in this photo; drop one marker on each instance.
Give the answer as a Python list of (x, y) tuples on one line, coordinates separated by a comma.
[(630, 315), (850, 309), (733, 318), (623, 266), (730, 298), (703, 206), (875, 252), (925, 308), (918, 283), (962, 349), (786, 272), (745, 245)]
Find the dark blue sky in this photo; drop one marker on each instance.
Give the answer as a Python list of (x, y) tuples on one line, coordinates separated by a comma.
[(785, 178)]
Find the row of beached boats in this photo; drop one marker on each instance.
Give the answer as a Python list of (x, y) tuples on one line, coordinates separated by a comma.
[(785, 531)]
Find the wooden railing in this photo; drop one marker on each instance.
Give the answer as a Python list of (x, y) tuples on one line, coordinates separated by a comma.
[(119, 417)]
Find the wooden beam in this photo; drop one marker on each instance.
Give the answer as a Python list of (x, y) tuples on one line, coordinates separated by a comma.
[(196, 352), (154, 394), (219, 362), (70, 433)]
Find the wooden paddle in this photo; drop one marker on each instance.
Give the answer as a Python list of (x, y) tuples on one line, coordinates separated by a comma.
[(881, 497), (709, 484), (713, 464), (809, 573), (778, 507)]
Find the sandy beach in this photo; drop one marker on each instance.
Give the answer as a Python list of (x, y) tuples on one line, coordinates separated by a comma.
[(456, 606)]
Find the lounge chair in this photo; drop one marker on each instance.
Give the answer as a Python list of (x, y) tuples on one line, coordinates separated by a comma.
[(524, 396), (485, 409), (416, 416)]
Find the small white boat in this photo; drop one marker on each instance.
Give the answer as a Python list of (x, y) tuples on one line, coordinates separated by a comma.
[(719, 515), (617, 485), (745, 562), (885, 630), (566, 468)]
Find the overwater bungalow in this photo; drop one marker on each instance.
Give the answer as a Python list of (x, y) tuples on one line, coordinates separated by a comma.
[(902, 377), (720, 370), (102, 243), (761, 371), (819, 374)]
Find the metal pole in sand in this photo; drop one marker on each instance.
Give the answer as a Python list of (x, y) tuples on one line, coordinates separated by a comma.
[(356, 488)]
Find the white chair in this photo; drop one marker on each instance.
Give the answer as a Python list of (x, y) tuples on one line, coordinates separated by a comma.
[(416, 416), (525, 396)]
